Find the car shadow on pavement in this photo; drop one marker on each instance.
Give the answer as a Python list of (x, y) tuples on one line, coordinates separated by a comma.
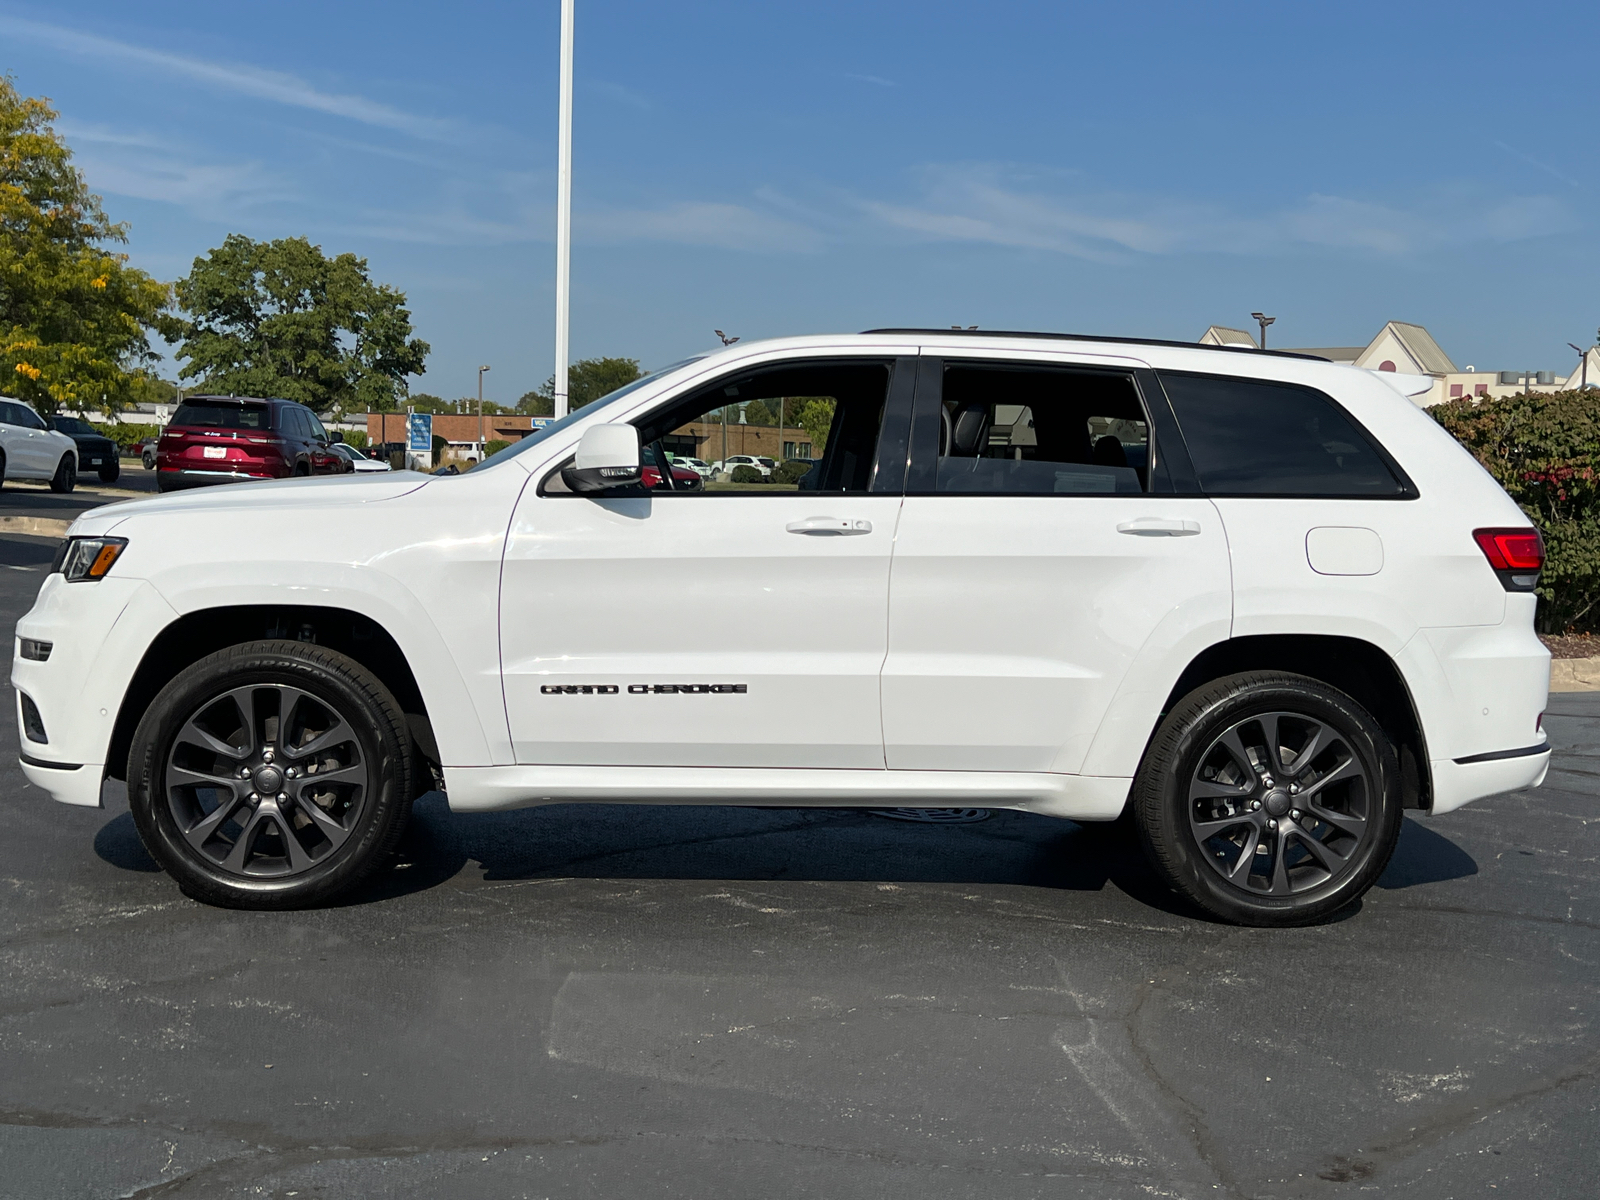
[(621, 841), (1425, 856)]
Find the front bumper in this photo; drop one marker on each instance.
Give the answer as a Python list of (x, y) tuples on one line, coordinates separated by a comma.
[(98, 633)]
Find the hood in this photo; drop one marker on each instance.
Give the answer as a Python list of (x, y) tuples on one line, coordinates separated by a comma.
[(325, 491)]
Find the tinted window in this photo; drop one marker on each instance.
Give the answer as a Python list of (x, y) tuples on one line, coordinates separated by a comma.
[(1249, 438), (10, 414), (221, 415), (72, 425), (313, 426), (28, 418), (1040, 432)]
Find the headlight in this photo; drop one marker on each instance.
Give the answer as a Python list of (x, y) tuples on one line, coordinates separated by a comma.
[(87, 558)]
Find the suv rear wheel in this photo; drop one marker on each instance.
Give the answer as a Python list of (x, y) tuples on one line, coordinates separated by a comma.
[(1269, 799), (271, 775)]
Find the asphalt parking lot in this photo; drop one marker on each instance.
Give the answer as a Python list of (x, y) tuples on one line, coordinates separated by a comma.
[(616, 1002)]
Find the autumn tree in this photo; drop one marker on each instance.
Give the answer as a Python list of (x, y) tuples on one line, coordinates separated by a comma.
[(283, 319), (75, 319)]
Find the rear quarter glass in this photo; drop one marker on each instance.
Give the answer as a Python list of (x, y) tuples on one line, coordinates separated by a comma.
[(1251, 437)]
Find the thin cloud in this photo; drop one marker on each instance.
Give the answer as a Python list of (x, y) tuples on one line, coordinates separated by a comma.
[(276, 86), (1543, 166), (875, 79), (992, 204)]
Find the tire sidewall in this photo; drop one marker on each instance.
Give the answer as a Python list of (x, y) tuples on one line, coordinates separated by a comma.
[(325, 677), (1192, 728)]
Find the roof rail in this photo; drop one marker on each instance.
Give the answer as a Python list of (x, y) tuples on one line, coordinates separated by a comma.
[(1092, 337)]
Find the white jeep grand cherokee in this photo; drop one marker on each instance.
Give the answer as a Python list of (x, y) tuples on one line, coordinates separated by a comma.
[(1258, 602)]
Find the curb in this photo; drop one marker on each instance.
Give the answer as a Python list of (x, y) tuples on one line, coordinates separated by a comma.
[(1575, 674), (38, 526)]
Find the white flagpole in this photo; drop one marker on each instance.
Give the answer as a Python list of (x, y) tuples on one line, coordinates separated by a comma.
[(564, 213)]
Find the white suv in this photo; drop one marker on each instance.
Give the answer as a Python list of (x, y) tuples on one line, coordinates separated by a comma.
[(1257, 602), (30, 449)]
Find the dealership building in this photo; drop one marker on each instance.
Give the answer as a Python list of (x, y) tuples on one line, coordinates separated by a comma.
[(1410, 349)]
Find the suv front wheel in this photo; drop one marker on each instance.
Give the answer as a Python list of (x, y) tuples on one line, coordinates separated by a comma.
[(1269, 799), (271, 775)]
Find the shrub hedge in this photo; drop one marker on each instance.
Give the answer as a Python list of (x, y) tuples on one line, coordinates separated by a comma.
[(790, 471), (1544, 449), (743, 474)]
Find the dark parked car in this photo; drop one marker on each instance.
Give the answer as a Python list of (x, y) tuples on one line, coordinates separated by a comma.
[(96, 452), (233, 439)]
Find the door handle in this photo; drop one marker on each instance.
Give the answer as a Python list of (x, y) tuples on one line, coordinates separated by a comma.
[(831, 526), (1159, 527)]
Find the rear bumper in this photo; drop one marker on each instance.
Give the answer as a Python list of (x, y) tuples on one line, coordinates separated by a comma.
[(1457, 782), (170, 479)]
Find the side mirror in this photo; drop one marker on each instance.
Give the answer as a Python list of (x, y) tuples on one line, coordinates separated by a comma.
[(608, 457), (336, 435)]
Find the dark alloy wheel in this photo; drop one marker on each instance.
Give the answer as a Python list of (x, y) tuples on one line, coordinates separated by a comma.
[(66, 476), (1269, 799), (148, 460), (271, 775)]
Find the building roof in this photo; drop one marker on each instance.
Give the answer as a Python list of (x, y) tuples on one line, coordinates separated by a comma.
[(1419, 342), (1338, 354), (1221, 335)]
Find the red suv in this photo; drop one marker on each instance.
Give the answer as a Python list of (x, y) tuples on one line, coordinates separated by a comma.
[(228, 439)]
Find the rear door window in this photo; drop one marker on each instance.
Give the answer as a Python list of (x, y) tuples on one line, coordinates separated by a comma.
[(1249, 437), (222, 416), (1040, 431)]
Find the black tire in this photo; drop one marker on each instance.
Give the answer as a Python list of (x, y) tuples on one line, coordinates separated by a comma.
[(291, 850), (2, 470), (1211, 821), (66, 476), (149, 460), (109, 474)]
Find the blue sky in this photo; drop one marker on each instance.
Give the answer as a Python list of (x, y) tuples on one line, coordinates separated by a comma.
[(1138, 168)]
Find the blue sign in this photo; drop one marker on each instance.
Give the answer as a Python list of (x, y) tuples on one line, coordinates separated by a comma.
[(541, 422), (419, 431)]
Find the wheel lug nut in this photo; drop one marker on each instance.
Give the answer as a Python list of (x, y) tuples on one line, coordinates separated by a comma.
[(1294, 789), (282, 796), (1255, 806), (266, 755), (1294, 814), (1272, 824), (254, 799), (292, 773)]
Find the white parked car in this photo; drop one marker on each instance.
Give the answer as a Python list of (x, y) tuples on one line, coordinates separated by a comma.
[(699, 466), (1259, 602), (30, 449), (734, 461), (361, 461)]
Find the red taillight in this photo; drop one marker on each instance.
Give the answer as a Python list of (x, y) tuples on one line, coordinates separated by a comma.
[(1511, 549)]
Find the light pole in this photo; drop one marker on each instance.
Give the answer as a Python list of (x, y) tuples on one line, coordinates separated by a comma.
[(1263, 320), (564, 211), (481, 370), (1583, 362)]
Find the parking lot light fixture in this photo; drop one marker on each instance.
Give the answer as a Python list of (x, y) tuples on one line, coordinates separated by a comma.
[(1263, 320), (481, 370)]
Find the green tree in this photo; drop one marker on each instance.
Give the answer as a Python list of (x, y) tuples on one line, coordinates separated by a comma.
[(757, 413), (588, 379), (74, 317), (282, 319), (814, 414)]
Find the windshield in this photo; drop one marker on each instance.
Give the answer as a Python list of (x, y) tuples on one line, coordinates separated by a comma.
[(73, 425), (577, 414)]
